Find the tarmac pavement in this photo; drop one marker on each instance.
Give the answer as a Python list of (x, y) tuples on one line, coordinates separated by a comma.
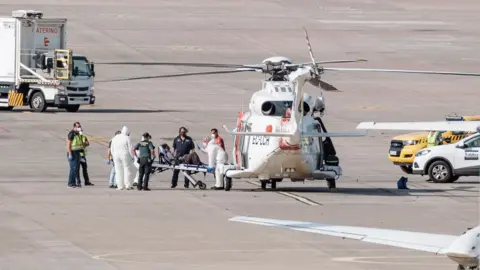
[(44, 225)]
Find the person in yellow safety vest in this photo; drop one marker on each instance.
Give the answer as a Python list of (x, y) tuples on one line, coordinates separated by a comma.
[(83, 160), (74, 147), (434, 138)]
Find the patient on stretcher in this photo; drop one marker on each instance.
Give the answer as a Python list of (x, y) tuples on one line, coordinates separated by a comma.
[(166, 157)]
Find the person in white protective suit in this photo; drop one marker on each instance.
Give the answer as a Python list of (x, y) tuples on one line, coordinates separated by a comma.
[(217, 157), (121, 150)]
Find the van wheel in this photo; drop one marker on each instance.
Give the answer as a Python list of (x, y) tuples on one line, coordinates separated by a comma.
[(37, 102), (406, 169), (440, 172), (72, 108)]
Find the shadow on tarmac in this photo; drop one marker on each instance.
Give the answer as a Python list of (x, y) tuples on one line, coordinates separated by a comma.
[(53, 111)]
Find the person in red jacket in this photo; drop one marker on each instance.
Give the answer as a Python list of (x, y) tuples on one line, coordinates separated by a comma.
[(217, 138)]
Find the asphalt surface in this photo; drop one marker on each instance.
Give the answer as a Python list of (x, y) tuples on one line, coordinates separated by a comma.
[(44, 225)]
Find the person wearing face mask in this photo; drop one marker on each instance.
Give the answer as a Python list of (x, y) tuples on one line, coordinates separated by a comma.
[(217, 157), (83, 160), (217, 138), (74, 147), (146, 154), (122, 159), (182, 145)]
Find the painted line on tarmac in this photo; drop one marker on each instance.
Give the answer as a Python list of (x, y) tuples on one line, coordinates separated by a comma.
[(382, 22), (406, 260), (291, 195)]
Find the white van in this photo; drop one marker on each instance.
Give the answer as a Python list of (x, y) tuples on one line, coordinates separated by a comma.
[(446, 163)]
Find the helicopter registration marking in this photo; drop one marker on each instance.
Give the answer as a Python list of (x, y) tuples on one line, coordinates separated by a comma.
[(260, 140)]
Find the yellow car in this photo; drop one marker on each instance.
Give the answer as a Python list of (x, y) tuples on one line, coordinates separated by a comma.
[(404, 147)]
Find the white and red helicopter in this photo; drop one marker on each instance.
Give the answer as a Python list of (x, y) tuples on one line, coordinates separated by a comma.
[(282, 136)]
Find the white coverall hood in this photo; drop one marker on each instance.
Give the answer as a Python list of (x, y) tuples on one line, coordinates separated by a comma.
[(121, 149), (125, 131)]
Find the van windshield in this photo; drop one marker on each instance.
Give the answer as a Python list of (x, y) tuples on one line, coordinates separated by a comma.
[(81, 66)]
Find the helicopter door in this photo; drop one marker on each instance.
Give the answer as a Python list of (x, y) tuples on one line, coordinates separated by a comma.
[(240, 146), (243, 147)]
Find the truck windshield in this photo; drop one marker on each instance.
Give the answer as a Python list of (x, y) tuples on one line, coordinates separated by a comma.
[(81, 66)]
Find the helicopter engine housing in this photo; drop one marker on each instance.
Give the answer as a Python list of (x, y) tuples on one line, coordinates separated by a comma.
[(268, 108)]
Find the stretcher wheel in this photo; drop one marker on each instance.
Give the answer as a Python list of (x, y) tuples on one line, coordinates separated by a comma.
[(201, 185), (227, 183)]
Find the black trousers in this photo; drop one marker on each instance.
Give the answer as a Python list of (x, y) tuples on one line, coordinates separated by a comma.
[(175, 178), (144, 172), (84, 172)]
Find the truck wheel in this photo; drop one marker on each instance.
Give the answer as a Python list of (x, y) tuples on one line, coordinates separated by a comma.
[(72, 108), (440, 172), (37, 102), (406, 169)]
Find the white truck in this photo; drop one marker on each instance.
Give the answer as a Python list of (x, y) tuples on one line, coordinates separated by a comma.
[(446, 163), (36, 67)]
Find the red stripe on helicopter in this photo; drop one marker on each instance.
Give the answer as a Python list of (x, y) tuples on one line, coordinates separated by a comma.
[(285, 146)]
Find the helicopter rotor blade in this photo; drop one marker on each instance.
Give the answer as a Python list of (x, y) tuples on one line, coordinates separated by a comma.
[(342, 61), (405, 71), (183, 75), (327, 87), (309, 48), (181, 64)]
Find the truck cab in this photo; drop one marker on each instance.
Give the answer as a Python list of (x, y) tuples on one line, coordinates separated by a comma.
[(446, 163), (404, 147), (76, 89)]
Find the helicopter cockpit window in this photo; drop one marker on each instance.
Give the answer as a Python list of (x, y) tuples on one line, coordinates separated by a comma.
[(276, 108)]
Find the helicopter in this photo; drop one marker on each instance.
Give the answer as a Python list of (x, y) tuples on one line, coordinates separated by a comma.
[(283, 136)]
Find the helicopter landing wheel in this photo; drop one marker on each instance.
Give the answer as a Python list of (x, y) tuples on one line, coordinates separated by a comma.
[(273, 184), (264, 184), (227, 183), (332, 185)]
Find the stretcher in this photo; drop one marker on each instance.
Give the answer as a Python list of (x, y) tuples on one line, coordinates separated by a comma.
[(187, 170)]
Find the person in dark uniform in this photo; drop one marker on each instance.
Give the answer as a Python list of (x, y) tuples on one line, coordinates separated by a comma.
[(182, 145), (74, 147), (146, 154)]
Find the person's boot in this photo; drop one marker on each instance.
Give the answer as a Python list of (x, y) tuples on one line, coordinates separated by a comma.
[(146, 188), (89, 184)]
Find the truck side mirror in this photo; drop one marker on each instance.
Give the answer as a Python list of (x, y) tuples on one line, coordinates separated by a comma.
[(49, 64), (448, 140), (92, 68), (43, 65)]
